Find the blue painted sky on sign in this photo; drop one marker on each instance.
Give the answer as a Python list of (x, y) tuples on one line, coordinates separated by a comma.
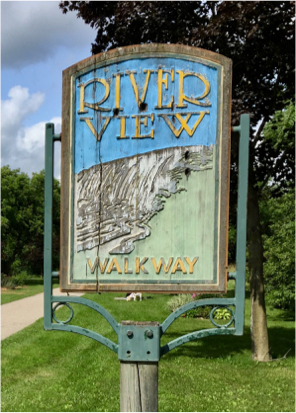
[(89, 151)]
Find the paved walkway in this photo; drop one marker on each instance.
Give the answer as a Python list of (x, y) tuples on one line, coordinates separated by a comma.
[(21, 313)]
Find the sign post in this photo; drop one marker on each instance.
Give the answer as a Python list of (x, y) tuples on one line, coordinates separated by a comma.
[(139, 378), (144, 196)]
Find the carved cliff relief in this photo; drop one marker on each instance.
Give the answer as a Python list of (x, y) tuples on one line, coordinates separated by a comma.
[(116, 200)]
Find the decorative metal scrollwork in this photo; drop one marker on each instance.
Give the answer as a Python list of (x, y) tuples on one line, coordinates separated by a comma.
[(222, 325), (59, 321)]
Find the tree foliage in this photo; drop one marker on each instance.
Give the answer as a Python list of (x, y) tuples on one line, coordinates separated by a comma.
[(22, 221), (278, 218), (279, 133), (15, 195), (279, 246), (259, 37)]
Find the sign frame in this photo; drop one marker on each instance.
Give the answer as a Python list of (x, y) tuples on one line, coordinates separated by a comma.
[(224, 66)]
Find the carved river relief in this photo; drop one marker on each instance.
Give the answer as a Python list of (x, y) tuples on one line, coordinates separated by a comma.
[(116, 200)]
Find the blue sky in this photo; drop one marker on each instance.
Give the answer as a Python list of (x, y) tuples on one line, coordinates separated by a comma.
[(37, 43)]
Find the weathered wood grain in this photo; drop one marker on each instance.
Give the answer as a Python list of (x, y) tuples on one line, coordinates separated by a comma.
[(138, 387)]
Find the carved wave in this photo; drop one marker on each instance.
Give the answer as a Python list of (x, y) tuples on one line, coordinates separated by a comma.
[(116, 200)]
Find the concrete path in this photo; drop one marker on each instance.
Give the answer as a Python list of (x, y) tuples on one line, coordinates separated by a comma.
[(21, 313)]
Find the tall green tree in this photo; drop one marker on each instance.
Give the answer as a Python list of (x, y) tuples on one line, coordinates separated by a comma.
[(259, 37), (278, 218), (34, 247), (22, 221), (279, 250), (15, 217)]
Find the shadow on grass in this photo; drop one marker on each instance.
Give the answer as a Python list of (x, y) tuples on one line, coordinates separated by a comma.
[(34, 281), (284, 315), (281, 341), (212, 347)]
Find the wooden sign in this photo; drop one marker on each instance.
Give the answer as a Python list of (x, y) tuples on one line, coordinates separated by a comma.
[(145, 171)]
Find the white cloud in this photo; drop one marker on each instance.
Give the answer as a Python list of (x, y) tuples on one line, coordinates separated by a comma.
[(23, 147), (30, 139), (19, 105), (31, 143), (32, 31)]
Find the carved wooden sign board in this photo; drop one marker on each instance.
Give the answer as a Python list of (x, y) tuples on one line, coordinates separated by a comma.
[(145, 171)]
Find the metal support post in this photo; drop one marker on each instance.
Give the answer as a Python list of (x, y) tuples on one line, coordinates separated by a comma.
[(138, 347), (50, 137), (241, 227)]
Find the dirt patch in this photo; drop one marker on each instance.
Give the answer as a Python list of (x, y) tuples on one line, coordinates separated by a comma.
[(4, 289)]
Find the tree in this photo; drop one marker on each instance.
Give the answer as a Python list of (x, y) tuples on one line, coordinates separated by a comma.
[(279, 251), (22, 221), (278, 218), (34, 247), (259, 37), (15, 195)]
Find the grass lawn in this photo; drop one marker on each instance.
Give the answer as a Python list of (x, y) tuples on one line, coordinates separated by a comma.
[(59, 372), (33, 285)]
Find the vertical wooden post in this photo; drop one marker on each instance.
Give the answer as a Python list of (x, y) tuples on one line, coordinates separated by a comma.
[(139, 353), (138, 386)]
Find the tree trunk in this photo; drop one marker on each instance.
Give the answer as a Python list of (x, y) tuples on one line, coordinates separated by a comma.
[(259, 333)]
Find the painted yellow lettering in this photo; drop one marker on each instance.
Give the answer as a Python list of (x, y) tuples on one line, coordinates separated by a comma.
[(126, 270), (82, 109), (96, 105), (135, 86), (117, 90), (162, 263), (143, 120), (122, 128), (164, 81), (191, 263), (97, 263), (103, 266), (179, 266), (197, 100), (139, 265), (97, 135), (157, 268), (114, 266), (183, 122), (92, 266)]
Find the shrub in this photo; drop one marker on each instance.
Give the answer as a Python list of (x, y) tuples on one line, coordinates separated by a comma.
[(204, 312), (8, 282), (279, 245), (20, 279), (222, 314), (177, 301)]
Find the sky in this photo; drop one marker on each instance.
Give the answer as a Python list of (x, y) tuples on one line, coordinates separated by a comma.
[(38, 42)]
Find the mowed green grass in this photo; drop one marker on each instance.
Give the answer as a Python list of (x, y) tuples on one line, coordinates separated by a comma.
[(58, 371), (32, 286)]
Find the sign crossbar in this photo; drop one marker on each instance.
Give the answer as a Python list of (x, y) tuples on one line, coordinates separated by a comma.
[(235, 324)]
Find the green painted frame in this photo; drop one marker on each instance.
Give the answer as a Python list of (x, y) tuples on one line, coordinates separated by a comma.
[(155, 351)]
